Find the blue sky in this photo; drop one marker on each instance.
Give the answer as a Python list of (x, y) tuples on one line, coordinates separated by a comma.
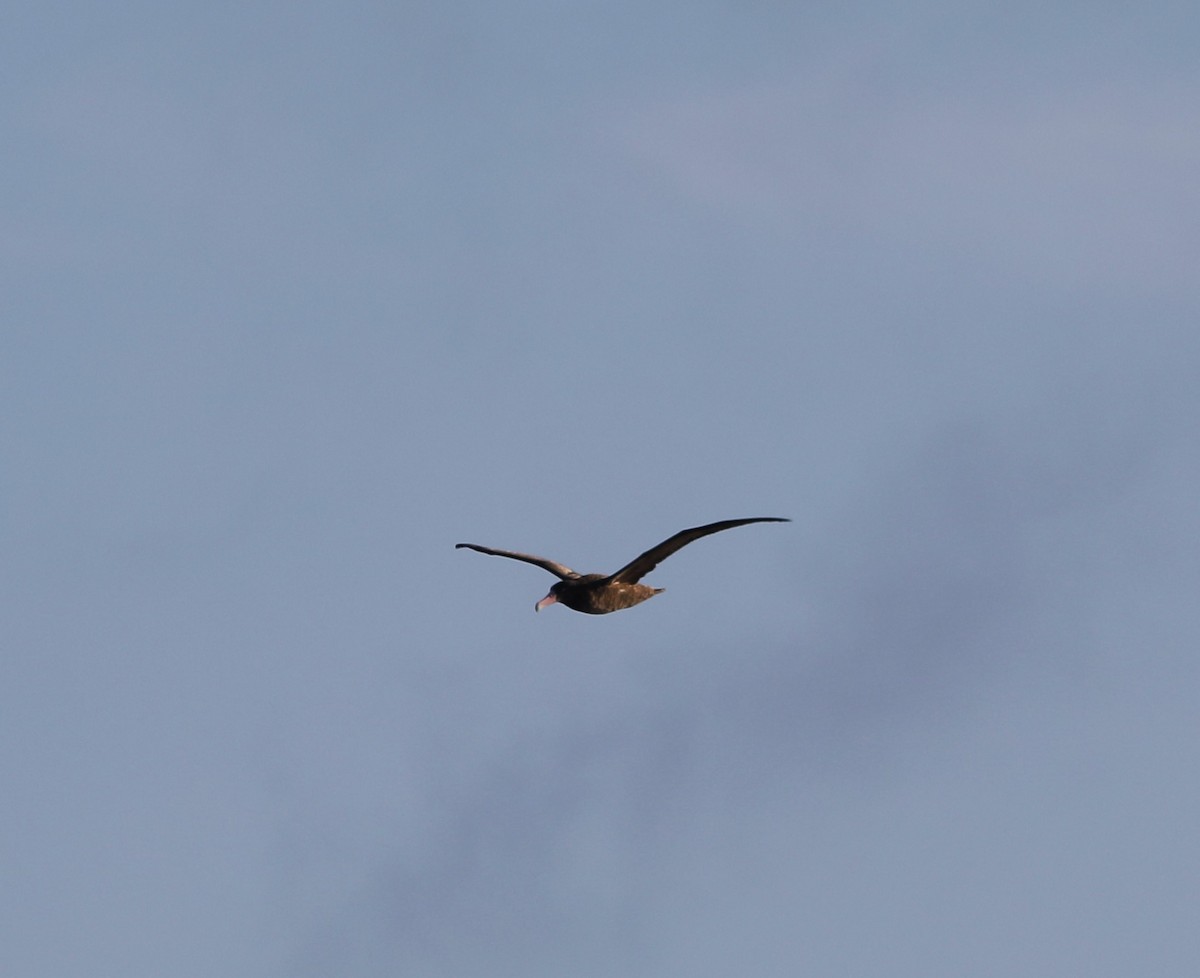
[(296, 297)]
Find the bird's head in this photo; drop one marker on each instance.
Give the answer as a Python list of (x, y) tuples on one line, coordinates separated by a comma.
[(551, 598)]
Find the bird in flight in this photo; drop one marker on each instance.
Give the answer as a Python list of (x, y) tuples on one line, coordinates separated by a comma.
[(598, 594)]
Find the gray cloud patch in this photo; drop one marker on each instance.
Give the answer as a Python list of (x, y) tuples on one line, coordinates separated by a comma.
[(560, 859)]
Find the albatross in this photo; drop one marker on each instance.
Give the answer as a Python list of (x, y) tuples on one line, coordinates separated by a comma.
[(599, 594)]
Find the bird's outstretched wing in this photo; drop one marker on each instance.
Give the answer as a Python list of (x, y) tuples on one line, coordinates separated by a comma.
[(560, 571), (644, 564)]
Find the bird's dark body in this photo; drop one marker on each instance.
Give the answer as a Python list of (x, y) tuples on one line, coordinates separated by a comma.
[(593, 594), (600, 594)]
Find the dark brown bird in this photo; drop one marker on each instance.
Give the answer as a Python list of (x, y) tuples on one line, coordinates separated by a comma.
[(597, 594)]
